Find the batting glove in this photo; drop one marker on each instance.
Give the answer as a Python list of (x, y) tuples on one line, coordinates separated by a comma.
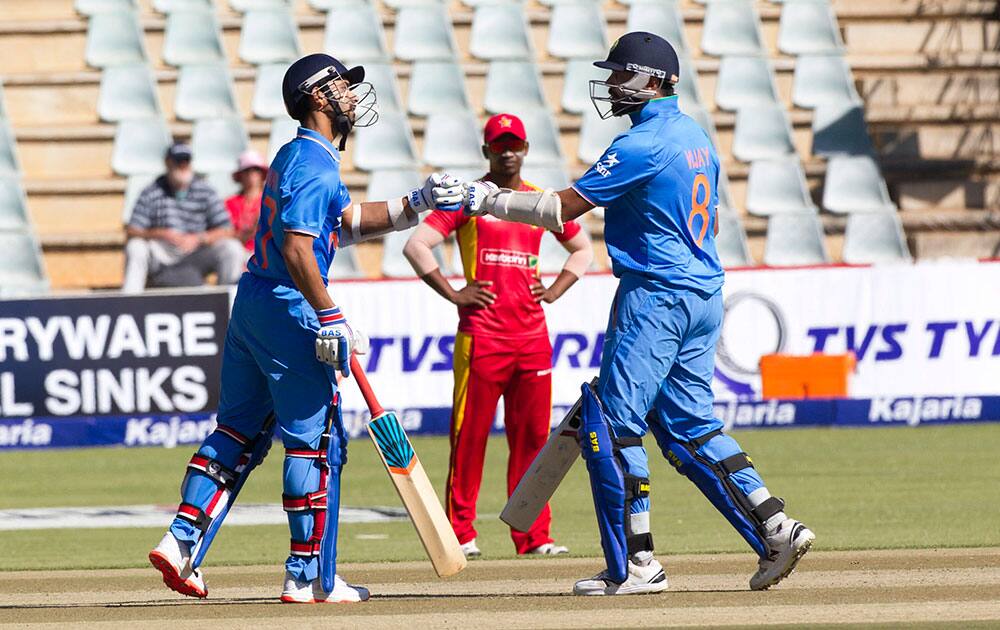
[(475, 194), (335, 340), (440, 192)]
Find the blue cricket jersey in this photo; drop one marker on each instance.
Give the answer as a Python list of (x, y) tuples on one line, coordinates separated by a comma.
[(659, 184), (303, 193)]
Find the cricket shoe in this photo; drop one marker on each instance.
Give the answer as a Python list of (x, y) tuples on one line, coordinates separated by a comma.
[(311, 592), (640, 580), (786, 546), (548, 549), (471, 550), (172, 558)]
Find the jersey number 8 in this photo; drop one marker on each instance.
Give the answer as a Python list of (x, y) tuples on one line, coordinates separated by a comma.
[(699, 208)]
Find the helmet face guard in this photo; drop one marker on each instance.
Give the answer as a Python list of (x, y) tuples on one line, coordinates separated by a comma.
[(627, 96), (359, 98)]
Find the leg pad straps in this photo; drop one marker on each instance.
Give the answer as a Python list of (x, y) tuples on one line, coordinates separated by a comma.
[(223, 476), (194, 515)]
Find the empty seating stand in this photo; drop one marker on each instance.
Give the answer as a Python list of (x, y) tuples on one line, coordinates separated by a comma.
[(204, 91), (127, 91), (192, 37), (114, 38), (269, 35), (500, 31)]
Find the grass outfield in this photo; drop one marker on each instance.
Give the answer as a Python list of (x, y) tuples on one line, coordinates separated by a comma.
[(856, 488)]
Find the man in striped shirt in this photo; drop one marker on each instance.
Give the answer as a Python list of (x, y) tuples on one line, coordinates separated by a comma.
[(179, 231)]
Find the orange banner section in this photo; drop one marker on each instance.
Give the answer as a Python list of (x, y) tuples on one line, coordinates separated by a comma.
[(812, 376)]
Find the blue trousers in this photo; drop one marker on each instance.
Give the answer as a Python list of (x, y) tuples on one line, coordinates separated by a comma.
[(269, 364)]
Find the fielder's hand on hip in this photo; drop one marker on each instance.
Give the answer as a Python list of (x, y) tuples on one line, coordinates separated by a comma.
[(475, 194), (441, 191), (335, 340)]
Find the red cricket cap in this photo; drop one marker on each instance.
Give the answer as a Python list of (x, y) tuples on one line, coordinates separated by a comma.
[(502, 124)]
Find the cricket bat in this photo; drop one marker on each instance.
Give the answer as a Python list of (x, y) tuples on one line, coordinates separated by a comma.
[(546, 472), (411, 482)]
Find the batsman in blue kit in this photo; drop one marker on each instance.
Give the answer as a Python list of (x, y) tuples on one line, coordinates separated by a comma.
[(287, 341), (659, 184)]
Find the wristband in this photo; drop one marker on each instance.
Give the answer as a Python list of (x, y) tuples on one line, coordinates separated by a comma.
[(330, 316), (356, 224), (397, 216)]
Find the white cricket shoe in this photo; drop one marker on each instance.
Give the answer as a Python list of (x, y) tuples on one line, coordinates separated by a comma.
[(471, 550), (172, 558), (787, 544), (311, 592), (548, 549), (640, 580)]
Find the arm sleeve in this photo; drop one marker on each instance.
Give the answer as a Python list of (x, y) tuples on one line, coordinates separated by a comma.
[(309, 196), (218, 216), (627, 163), (570, 229), (445, 222)]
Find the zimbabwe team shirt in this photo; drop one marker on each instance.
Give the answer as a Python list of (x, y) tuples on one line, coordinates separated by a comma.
[(303, 193), (659, 184), (505, 253)]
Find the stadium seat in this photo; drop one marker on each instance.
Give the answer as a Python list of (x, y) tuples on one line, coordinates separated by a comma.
[(282, 130), (543, 138), (854, 184), (744, 81), (127, 91), (346, 265), (388, 144), (13, 205), (192, 37), (139, 146), (794, 238), (222, 182), (91, 7), (244, 6), (762, 132), (216, 144), (513, 86), (703, 118), (596, 135), (424, 33), (499, 31), (113, 39), (544, 177), (355, 32), (660, 17), (576, 84), (874, 237), (9, 164), (808, 27), (725, 197), (452, 139), (436, 86), (267, 102), (134, 186), (3, 109), (269, 36), (820, 79), (551, 254), (388, 183), (840, 128), (577, 30), (776, 186), (382, 76), (169, 6), (385, 185), (204, 91), (731, 28), (731, 241), (325, 5), (21, 272), (687, 87)]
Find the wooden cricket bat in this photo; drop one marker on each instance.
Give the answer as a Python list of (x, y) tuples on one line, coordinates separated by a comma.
[(411, 482), (546, 472)]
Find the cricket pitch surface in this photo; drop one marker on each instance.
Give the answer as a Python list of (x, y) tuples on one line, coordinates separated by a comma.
[(939, 587)]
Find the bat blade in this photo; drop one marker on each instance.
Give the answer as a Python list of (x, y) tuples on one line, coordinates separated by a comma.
[(417, 494)]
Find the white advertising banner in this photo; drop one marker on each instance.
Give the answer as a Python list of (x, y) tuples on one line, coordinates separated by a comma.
[(926, 329)]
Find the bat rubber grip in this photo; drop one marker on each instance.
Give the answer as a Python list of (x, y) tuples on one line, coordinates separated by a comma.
[(366, 388)]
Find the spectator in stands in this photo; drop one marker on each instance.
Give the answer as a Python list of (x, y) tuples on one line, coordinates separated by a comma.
[(179, 231), (244, 206)]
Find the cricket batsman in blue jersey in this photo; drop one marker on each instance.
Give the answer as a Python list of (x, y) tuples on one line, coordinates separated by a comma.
[(287, 341), (659, 184)]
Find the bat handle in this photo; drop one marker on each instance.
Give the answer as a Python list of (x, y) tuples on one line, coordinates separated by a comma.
[(366, 388)]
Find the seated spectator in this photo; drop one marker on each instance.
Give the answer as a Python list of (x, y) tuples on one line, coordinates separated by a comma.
[(179, 231), (244, 206)]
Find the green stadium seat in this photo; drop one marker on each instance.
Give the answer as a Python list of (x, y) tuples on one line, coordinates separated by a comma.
[(762, 132), (822, 79), (513, 86), (776, 186), (386, 145), (744, 81), (795, 238), (423, 33), (436, 86), (808, 27), (500, 31), (113, 39), (192, 37), (452, 139), (873, 238), (13, 204), (127, 91), (204, 91), (216, 143), (577, 30), (139, 146), (22, 272), (267, 102), (731, 28), (854, 184), (269, 36), (355, 32)]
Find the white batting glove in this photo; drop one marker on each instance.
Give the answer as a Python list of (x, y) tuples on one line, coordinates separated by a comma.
[(336, 341), (475, 194), (440, 192)]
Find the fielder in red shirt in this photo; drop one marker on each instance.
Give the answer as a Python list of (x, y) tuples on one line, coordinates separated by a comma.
[(502, 347)]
